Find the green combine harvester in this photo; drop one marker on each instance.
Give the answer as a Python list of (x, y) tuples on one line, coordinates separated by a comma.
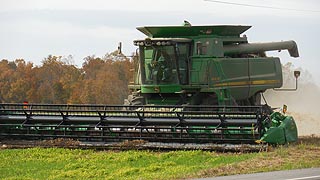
[(192, 85)]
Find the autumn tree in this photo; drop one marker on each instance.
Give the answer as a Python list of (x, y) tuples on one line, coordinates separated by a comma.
[(6, 70), (99, 81), (22, 81), (56, 80), (104, 80)]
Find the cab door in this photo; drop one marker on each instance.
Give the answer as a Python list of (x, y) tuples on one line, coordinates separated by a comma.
[(183, 59)]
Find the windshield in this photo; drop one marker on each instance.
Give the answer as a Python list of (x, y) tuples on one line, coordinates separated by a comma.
[(158, 65)]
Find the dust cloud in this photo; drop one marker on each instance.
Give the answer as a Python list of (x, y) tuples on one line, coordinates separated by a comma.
[(303, 104)]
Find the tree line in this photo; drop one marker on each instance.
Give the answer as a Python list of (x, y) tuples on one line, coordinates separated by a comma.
[(57, 81)]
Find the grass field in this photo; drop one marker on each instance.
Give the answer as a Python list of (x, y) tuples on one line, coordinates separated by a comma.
[(59, 163)]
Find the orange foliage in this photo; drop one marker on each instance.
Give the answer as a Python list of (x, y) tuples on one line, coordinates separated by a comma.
[(98, 81)]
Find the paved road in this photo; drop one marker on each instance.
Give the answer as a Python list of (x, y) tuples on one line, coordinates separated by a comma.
[(299, 174)]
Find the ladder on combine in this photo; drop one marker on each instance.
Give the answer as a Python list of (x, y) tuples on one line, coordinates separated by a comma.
[(109, 123)]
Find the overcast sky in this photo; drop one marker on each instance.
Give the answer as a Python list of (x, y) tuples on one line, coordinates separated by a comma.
[(33, 29)]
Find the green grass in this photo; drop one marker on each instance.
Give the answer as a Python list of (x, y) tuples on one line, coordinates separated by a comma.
[(59, 163)]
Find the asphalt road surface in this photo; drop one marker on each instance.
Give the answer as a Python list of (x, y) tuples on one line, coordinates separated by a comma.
[(299, 174)]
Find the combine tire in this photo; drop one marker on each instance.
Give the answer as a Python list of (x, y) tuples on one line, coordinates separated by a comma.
[(134, 100)]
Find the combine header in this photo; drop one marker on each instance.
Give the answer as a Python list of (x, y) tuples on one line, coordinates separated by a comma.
[(193, 84)]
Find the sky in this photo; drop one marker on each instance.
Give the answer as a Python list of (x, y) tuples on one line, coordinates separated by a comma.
[(34, 29)]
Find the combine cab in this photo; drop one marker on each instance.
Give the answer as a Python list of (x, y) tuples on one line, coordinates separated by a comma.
[(193, 84)]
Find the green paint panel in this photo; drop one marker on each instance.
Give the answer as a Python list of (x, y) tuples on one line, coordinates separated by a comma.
[(282, 130), (274, 135), (199, 71), (291, 132), (170, 88), (243, 76)]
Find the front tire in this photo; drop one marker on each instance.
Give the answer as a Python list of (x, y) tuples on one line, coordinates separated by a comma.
[(134, 99)]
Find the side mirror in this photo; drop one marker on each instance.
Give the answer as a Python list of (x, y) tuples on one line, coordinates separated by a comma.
[(296, 74)]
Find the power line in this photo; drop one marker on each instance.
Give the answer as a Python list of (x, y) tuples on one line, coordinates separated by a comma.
[(258, 6)]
